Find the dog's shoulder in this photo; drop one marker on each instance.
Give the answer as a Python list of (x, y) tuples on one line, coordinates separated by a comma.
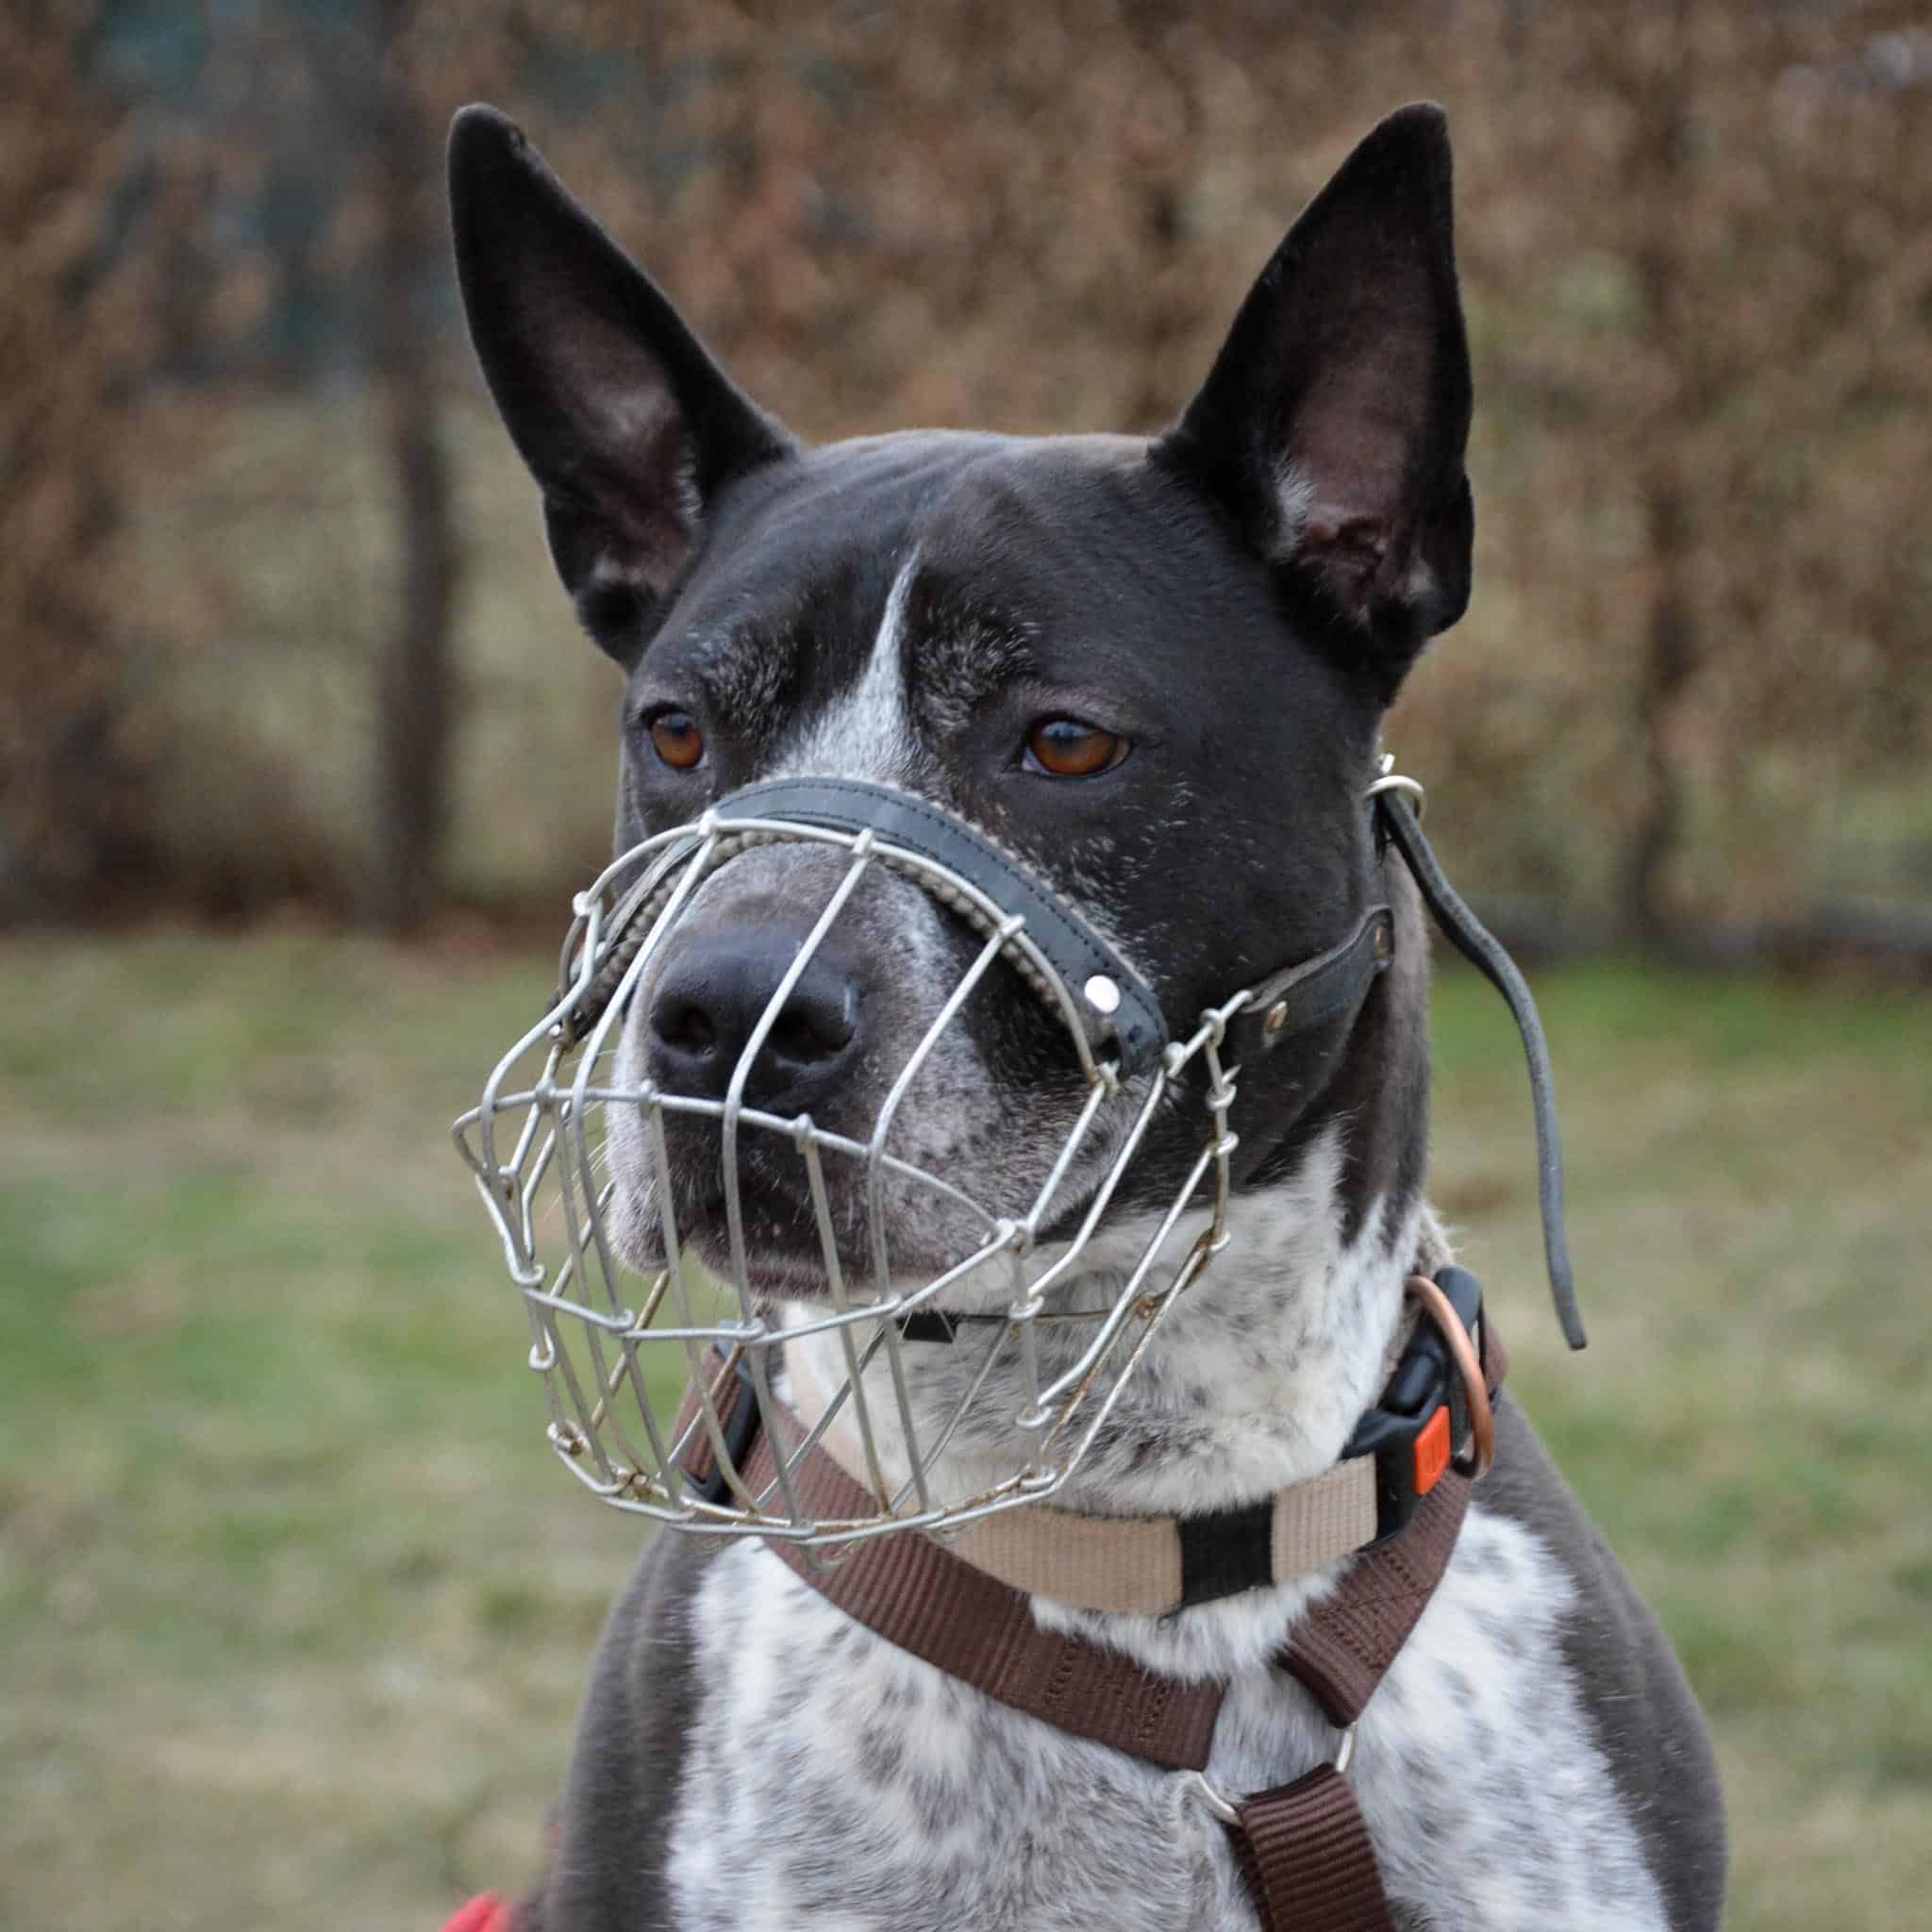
[(606, 1867), (1644, 1718)]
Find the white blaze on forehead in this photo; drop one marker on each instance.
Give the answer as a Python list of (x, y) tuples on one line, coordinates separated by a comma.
[(866, 732)]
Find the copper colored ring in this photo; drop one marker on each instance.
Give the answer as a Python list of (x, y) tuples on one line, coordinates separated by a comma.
[(1482, 1423)]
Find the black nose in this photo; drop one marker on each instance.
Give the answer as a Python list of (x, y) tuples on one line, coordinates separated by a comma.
[(710, 999)]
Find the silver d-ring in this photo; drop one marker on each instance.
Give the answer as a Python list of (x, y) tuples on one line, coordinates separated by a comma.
[(1395, 781), (1217, 1805), (1224, 1808)]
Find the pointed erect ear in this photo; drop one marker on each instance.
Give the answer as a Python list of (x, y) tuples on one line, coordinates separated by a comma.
[(1334, 421), (628, 425)]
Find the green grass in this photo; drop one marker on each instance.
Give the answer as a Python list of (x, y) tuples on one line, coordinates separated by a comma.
[(1751, 1214), (294, 1607), (293, 1602)]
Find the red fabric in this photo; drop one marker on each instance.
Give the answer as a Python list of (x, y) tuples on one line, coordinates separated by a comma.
[(486, 1912)]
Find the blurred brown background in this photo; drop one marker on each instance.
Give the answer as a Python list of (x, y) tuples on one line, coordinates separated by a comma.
[(300, 757), (279, 622)]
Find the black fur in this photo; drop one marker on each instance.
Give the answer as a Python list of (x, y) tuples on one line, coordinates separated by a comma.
[(1153, 589), (606, 1872)]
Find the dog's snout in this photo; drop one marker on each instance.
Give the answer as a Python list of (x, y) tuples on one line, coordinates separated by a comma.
[(710, 999)]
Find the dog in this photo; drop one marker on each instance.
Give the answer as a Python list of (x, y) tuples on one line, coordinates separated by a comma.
[(1156, 670)]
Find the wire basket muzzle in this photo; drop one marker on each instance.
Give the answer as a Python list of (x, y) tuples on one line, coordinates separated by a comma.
[(685, 1381)]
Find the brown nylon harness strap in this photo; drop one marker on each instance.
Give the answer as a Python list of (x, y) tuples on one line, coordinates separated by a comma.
[(699, 1459), (918, 1595), (1305, 1855), (1304, 1847), (1340, 1648)]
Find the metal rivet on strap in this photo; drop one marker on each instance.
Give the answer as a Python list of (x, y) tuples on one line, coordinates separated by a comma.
[(1275, 1018), (1103, 994)]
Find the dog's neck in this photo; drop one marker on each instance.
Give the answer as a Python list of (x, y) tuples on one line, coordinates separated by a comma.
[(1253, 1382)]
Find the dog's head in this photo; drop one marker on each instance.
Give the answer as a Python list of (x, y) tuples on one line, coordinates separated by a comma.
[(1155, 670)]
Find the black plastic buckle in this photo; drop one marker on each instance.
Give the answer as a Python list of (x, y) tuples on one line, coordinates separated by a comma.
[(1425, 1380), (739, 1429)]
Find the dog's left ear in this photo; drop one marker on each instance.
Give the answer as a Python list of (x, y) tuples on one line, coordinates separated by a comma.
[(1334, 421)]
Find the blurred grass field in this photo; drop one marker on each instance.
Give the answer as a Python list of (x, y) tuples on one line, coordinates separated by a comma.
[(294, 1606)]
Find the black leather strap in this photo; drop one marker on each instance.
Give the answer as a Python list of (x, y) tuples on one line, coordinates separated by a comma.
[(1314, 993), (1071, 947), (1479, 947)]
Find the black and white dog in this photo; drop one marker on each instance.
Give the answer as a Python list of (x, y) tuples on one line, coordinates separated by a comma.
[(1157, 670)]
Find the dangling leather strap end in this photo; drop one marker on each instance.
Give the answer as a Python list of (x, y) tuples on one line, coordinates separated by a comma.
[(1395, 819)]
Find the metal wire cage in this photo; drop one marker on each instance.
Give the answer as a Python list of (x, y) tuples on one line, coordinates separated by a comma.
[(646, 1371)]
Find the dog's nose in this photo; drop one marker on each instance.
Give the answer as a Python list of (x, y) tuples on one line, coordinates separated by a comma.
[(710, 999)]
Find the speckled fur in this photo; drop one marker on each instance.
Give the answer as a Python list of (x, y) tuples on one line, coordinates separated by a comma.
[(834, 1781)]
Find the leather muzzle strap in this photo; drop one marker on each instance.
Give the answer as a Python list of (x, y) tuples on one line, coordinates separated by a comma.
[(1303, 1846)]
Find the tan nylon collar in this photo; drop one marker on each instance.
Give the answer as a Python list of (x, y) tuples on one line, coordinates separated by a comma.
[(1136, 1565), (915, 1592), (1149, 1566)]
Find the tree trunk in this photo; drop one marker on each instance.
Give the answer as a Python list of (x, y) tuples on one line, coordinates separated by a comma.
[(415, 707), (73, 809), (1669, 657), (1662, 103)]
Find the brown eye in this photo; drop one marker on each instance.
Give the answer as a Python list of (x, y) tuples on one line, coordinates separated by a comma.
[(1071, 748), (676, 739)]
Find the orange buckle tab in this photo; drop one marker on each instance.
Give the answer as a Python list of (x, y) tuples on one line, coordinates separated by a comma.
[(1431, 1451), (1482, 1422)]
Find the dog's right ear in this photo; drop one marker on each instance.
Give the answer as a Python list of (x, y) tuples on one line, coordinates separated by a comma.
[(626, 423)]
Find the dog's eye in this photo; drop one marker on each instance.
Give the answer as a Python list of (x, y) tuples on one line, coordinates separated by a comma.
[(676, 739), (1072, 748)]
